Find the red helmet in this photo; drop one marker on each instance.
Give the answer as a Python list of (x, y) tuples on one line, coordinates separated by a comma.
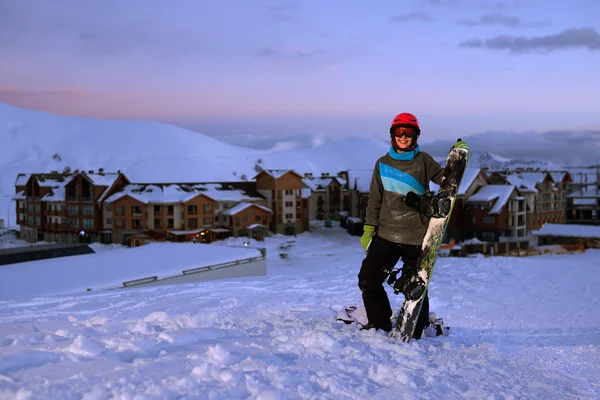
[(405, 119)]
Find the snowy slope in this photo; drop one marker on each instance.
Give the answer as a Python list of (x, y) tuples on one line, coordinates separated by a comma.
[(521, 328), (150, 151)]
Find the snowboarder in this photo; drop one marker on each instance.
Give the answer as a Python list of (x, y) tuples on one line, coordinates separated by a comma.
[(393, 229)]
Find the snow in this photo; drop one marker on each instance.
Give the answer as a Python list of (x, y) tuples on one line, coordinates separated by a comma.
[(241, 207), (276, 337), (488, 193), (151, 152), (178, 193), (467, 180), (360, 180), (320, 184), (521, 184), (109, 269), (570, 230)]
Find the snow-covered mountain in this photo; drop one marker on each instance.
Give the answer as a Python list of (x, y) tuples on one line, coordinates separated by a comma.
[(494, 162), (35, 141)]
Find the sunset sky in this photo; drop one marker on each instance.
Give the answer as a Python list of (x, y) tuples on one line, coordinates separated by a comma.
[(255, 67)]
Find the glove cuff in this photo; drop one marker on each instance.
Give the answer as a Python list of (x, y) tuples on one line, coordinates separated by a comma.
[(369, 229)]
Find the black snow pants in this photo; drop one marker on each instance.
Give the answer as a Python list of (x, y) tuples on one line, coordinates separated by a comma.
[(382, 257)]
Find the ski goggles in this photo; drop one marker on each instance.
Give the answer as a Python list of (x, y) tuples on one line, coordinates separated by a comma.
[(401, 131)]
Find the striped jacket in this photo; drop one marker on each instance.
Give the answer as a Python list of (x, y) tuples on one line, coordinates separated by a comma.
[(392, 179)]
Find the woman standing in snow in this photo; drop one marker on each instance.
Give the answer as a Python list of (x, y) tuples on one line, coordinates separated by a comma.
[(392, 229)]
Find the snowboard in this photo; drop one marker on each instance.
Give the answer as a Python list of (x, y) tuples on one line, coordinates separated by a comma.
[(456, 164), (354, 314)]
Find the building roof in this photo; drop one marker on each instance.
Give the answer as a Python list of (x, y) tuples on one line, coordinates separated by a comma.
[(277, 173), (525, 186), (181, 193), (321, 183), (154, 194), (533, 178), (360, 180), (467, 180), (499, 194), (570, 230), (241, 207)]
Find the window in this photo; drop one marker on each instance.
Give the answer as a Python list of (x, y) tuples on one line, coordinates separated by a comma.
[(156, 209), (170, 222), (73, 210), (157, 223), (88, 210), (208, 220), (88, 223), (108, 207), (207, 208), (289, 204), (74, 223), (108, 221), (488, 220), (170, 211), (244, 218), (193, 210), (119, 223), (257, 218), (136, 210), (192, 223), (289, 216)]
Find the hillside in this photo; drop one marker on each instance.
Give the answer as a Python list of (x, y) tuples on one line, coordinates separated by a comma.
[(33, 141), (276, 336), (494, 162)]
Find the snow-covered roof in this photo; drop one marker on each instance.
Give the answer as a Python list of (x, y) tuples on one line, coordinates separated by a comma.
[(320, 184), (277, 173), (306, 193), (106, 180), (497, 193), (241, 207), (55, 194), (22, 179), (570, 230), (154, 194), (534, 178), (254, 226), (360, 179), (523, 185), (558, 176), (467, 180), (19, 196), (57, 182), (217, 192), (179, 193)]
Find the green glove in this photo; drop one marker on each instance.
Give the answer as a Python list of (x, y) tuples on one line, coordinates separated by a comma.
[(365, 239)]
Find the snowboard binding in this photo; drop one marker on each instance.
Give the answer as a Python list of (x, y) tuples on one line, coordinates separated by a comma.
[(411, 286), (433, 205), (436, 327)]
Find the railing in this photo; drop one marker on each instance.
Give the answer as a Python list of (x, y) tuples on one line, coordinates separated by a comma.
[(187, 272)]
